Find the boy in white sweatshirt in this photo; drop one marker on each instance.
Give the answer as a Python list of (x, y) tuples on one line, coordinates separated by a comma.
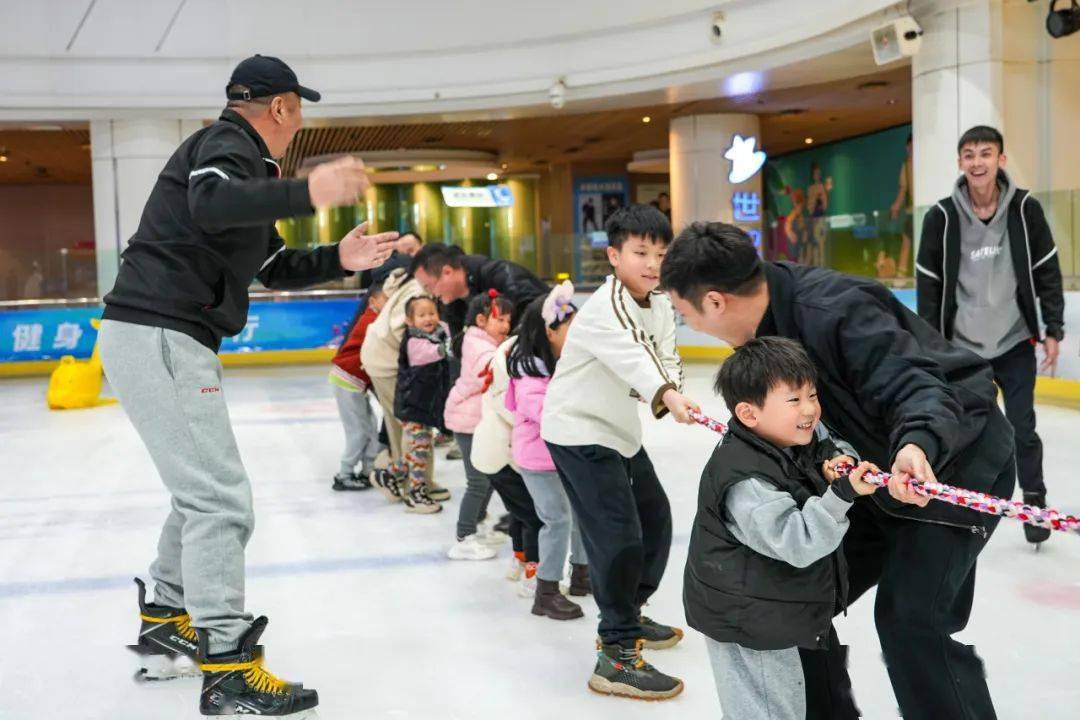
[(619, 352)]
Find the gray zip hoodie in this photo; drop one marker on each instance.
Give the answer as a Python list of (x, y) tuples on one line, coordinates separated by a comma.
[(988, 319)]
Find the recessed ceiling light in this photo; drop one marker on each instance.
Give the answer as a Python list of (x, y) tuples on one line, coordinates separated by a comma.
[(646, 119), (492, 176), (3, 158), (504, 166), (892, 101), (809, 141)]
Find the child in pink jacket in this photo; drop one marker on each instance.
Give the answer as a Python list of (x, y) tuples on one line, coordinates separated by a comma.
[(531, 363), (487, 325)]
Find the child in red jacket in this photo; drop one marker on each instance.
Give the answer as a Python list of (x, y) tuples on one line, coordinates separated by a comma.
[(351, 389)]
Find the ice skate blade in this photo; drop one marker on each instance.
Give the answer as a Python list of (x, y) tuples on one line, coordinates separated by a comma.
[(159, 668), (309, 714)]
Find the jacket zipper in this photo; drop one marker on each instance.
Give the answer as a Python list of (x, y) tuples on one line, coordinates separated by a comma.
[(944, 269), (973, 529)]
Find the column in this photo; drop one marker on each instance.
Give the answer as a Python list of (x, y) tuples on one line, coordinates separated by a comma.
[(127, 156), (713, 177)]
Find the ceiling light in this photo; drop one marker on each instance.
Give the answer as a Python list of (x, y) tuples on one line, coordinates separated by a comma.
[(504, 166), (3, 158), (809, 141), (891, 101), (646, 119), (492, 176)]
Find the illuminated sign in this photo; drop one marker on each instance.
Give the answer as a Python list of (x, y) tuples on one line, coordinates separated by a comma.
[(485, 196), (745, 160), (746, 206)]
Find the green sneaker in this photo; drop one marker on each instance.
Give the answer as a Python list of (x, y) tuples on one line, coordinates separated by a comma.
[(622, 671), (657, 636)]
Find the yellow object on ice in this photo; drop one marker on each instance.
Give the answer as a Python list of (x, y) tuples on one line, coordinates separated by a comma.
[(75, 384)]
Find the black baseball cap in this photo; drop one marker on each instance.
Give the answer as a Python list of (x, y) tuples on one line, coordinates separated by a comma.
[(264, 75)]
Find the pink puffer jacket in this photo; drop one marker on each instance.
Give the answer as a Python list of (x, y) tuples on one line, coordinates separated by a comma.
[(463, 404), (525, 398)]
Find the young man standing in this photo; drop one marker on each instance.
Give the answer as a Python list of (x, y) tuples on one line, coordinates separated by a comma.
[(987, 269), (904, 398)]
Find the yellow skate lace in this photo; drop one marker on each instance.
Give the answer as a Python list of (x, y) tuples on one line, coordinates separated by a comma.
[(183, 624), (258, 677)]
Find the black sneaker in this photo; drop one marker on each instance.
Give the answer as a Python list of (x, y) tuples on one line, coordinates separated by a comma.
[(352, 481), (167, 644), (236, 684), (657, 636), (622, 671), (418, 501), (1035, 535), (388, 483)]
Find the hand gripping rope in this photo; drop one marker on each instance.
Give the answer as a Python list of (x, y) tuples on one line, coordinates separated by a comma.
[(1048, 518)]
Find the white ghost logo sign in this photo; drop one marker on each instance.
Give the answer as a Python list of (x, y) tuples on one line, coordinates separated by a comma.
[(745, 160)]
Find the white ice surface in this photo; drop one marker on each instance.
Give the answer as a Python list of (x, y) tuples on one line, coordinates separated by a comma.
[(365, 607)]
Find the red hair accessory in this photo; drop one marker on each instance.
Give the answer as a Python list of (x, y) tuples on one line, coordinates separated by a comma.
[(493, 312)]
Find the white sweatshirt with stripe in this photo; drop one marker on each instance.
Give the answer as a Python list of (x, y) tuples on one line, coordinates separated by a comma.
[(617, 354)]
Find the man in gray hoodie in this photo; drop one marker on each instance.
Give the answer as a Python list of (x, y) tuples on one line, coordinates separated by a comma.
[(987, 273)]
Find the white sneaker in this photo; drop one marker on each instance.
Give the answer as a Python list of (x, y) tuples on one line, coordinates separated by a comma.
[(515, 569), (527, 586), (470, 548)]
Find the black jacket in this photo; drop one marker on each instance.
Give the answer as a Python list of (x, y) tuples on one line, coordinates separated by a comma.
[(207, 232), (732, 593), (421, 391), (519, 284), (886, 379), (1034, 256)]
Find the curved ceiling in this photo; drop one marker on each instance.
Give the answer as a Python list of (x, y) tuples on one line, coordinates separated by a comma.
[(118, 58)]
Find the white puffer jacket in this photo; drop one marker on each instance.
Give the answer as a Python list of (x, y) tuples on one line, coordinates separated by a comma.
[(379, 353), (491, 439)]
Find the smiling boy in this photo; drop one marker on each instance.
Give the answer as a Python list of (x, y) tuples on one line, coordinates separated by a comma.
[(620, 352)]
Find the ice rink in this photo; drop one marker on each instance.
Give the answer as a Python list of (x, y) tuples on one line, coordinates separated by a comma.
[(365, 607)]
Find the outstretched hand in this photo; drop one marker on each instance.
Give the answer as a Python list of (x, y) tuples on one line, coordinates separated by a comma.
[(358, 251)]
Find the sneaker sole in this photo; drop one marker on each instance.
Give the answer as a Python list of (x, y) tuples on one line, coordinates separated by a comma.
[(472, 557), (664, 644), (423, 509), (603, 686), (541, 613)]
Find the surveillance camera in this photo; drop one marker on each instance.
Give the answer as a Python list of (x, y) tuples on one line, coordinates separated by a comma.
[(557, 94), (716, 29), (897, 39)]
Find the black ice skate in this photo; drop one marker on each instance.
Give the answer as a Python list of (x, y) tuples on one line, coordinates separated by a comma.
[(622, 671), (167, 644), (236, 684)]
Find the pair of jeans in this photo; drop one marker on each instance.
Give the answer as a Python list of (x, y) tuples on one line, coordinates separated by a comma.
[(477, 490)]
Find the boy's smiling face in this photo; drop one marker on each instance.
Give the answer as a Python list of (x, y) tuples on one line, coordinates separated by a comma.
[(637, 264), (788, 417)]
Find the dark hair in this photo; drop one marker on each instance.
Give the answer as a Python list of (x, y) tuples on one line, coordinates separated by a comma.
[(375, 288), (481, 304), (410, 231), (533, 343), (759, 366), (711, 256), (637, 219), (411, 303), (981, 134), (435, 256)]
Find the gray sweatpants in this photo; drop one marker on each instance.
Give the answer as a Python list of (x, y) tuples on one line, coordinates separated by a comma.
[(361, 431), (758, 684), (560, 531), (170, 387)]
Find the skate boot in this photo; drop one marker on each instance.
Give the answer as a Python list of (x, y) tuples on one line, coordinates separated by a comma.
[(388, 483), (418, 501), (167, 644), (351, 481), (580, 584), (551, 603), (622, 671), (235, 684), (657, 636), (1035, 535)]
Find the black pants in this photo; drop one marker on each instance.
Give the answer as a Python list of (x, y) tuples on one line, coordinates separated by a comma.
[(828, 685), (925, 577), (1015, 373), (524, 523), (625, 524)]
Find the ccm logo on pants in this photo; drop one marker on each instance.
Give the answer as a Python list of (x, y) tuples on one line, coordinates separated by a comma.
[(210, 390)]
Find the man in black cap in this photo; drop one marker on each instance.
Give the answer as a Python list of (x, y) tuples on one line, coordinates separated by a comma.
[(206, 233)]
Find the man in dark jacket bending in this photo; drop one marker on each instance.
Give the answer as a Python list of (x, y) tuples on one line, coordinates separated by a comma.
[(904, 398), (206, 233)]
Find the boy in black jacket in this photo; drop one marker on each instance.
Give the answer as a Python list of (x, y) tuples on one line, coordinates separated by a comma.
[(905, 398), (986, 259), (764, 571)]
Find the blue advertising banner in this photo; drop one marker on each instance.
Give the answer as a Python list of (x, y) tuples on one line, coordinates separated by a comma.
[(294, 325)]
